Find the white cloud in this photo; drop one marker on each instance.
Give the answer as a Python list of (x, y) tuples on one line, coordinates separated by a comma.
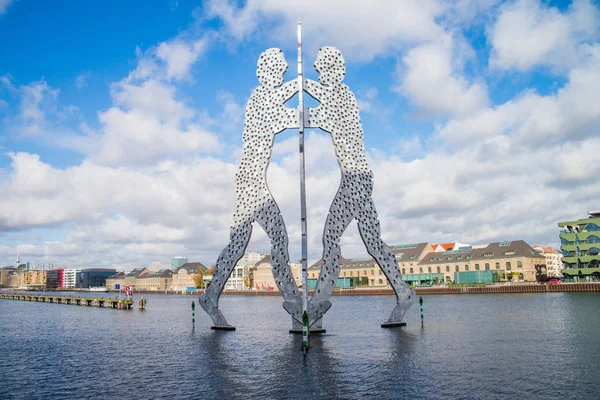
[(360, 31), (528, 33), (432, 80), (179, 56), (569, 115), (81, 80), (37, 99), (4, 4), (149, 120)]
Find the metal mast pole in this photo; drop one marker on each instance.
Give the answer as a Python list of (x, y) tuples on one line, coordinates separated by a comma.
[(302, 195)]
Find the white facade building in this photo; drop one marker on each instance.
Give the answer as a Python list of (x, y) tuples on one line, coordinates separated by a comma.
[(242, 269), (554, 264), (70, 278), (39, 266)]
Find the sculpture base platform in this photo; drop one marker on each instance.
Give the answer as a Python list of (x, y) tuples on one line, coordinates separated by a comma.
[(223, 328), (299, 331), (392, 324)]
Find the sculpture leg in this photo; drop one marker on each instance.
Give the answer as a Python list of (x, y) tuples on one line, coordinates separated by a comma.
[(209, 301), (368, 226), (338, 220), (271, 221)]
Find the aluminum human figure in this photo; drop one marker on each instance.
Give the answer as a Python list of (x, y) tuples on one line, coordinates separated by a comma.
[(338, 114), (265, 117)]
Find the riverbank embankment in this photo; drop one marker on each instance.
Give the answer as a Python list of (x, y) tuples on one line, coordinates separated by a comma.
[(431, 290)]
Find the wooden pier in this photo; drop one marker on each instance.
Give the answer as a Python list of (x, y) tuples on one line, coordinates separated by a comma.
[(115, 304)]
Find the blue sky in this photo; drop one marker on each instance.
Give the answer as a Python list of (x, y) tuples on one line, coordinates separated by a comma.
[(120, 124)]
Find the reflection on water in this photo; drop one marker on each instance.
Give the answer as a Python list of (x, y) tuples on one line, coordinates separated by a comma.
[(539, 346)]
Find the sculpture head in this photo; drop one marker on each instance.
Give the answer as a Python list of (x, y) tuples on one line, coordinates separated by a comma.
[(330, 65), (270, 67)]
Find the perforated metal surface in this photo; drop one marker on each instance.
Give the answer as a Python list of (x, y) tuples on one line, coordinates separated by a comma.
[(338, 114), (265, 117)]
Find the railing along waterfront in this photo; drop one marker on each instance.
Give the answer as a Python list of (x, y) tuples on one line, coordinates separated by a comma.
[(489, 289), (116, 304)]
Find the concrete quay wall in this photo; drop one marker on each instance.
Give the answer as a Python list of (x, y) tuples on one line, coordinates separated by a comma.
[(518, 288)]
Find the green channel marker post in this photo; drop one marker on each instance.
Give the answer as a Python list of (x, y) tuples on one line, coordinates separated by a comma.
[(421, 302), (193, 315), (304, 332)]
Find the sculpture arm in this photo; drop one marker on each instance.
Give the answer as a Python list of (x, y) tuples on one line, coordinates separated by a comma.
[(314, 89), (287, 91)]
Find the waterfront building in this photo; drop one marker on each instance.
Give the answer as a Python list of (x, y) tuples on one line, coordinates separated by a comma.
[(554, 264), (130, 277), (353, 273), (4, 276), (14, 279), (159, 281), (34, 279), (409, 256), (71, 278), (261, 275), (511, 260), (366, 272), (177, 262), (241, 277), (183, 278), (580, 246), (54, 279), (39, 266), (116, 281), (94, 277)]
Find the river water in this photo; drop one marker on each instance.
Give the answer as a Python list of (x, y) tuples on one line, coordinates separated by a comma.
[(501, 346)]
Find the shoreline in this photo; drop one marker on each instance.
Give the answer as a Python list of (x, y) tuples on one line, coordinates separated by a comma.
[(432, 290)]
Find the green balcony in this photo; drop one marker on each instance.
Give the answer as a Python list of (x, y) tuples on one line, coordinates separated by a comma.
[(582, 236), (581, 271), (583, 259)]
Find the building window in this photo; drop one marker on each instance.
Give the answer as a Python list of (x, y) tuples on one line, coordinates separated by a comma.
[(508, 267), (411, 270), (487, 266), (476, 267), (372, 272), (351, 273), (497, 265), (466, 267), (403, 271), (429, 269), (372, 282), (420, 270), (456, 268), (380, 272), (344, 273), (447, 268), (381, 281), (519, 264), (439, 270)]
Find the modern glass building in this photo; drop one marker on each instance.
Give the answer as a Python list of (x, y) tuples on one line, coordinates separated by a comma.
[(580, 245), (95, 277)]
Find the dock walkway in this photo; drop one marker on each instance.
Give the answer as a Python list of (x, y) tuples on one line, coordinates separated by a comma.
[(116, 304)]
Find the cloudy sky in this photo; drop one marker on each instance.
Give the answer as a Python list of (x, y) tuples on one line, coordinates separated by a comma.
[(121, 122)]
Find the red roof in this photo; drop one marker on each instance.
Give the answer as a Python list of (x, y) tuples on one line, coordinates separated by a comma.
[(446, 246)]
